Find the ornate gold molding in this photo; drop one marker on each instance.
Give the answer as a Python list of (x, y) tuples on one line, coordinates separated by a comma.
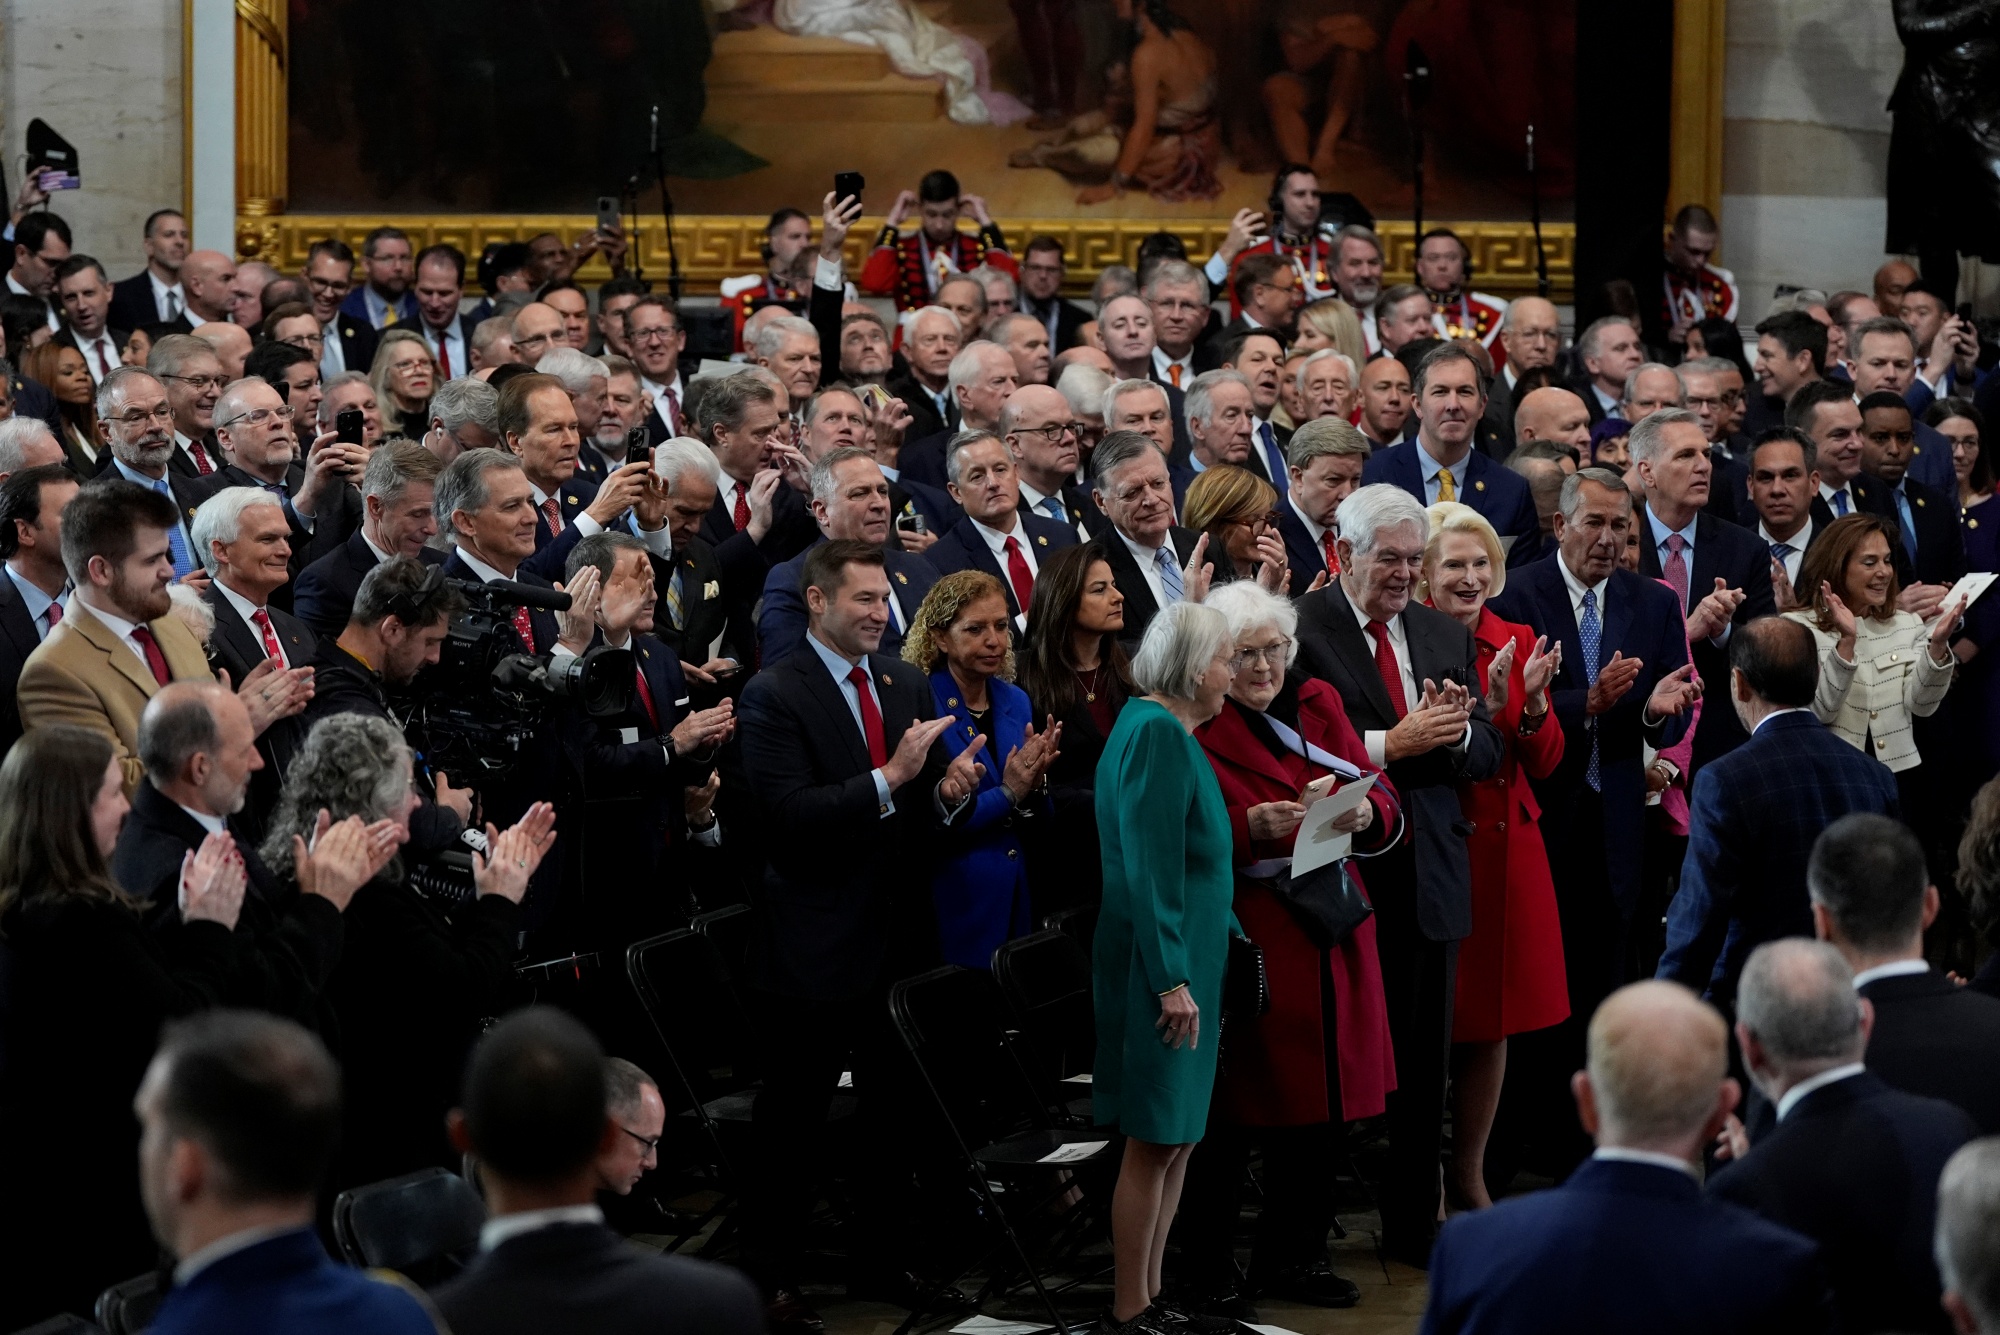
[(714, 247), (1695, 167), (262, 116)]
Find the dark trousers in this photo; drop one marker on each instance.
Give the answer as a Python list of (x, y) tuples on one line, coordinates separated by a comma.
[(1418, 979), (1300, 1163), (807, 1044)]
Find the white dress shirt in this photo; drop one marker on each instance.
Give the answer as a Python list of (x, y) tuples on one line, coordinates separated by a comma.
[(496, 1231), (1148, 562), (1163, 365), (1798, 542), (1577, 588), (658, 391), (167, 310), (1399, 644), (332, 356), (1613, 407), (448, 345), (1827, 494), (48, 309), (1791, 1097), (36, 601), (843, 672), (1317, 532), (246, 610), (120, 627), (100, 354)]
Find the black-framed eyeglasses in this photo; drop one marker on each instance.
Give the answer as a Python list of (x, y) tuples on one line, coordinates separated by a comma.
[(1052, 433), (200, 382), (651, 1143)]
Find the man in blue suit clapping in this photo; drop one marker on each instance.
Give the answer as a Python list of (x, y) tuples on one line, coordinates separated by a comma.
[(1628, 1243), (240, 1110)]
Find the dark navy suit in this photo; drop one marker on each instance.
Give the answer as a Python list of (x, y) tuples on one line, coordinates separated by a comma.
[(1736, 555), (324, 595), (287, 1283), (19, 637), (1305, 557), (1752, 818), (964, 548), (1495, 491), (1854, 1166), (1935, 1038), (552, 549), (980, 890), (1627, 1247), (781, 624)]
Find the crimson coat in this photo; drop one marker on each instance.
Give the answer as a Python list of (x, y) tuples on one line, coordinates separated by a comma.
[(1510, 970), (1274, 1069)]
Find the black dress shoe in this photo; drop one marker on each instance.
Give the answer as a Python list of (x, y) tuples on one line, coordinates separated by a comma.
[(1178, 1317), (1315, 1284), (1225, 1299), (788, 1313), (907, 1290)]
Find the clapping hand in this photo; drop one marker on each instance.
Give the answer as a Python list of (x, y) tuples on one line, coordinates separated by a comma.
[(271, 691), (512, 856), (1944, 628), (1544, 661), (1782, 592), (961, 777), (1613, 680), (911, 749), (1674, 694), (1439, 720), (1711, 616), (1840, 614), (1028, 762), (579, 620), (1496, 678), (1923, 599), (705, 729), (212, 881), (343, 856)]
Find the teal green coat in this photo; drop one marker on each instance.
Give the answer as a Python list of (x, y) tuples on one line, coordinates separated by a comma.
[(1166, 849)]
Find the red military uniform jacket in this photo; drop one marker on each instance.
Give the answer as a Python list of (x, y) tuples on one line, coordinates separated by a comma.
[(906, 268), (1712, 293), (1477, 315), (743, 294), (1312, 259)]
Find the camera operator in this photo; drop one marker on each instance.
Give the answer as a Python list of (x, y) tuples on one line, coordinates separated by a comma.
[(402, 613), (649, 781)]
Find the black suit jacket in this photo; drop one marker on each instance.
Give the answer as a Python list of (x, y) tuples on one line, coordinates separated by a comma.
[(132, 305), (18, 639), (964, 548), (792, 531), (1070, 320), (924, 417), (828, 927), (710, 607), (1854, 1166), (922, 456), (1333, 647), (1935, 1038), (237, 648), (1724, 551), (1305, 557), (1940, 537), (323, 595), (1140, 605), (337, 519), (584, 1277), (358, 340)]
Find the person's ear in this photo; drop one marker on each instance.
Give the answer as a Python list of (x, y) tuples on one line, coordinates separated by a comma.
[(1739, 685), (1867, 1011), (609, 1140), (187, 1170), (1822, 922), (455, 1127), (816, 600), (1932, 902), (1586, 1101)]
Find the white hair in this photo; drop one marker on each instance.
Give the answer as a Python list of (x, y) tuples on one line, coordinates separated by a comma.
[(1644, 368), (575, 369), (1085, 387), (1120, 388), (220, 519), (1248, 607), (1968, 1220), (910, 319), (16, 435), (1177, 648), (1353, 376), (1199, 405), (676, 458), (965, 367), (771, 338), (1370, 511)]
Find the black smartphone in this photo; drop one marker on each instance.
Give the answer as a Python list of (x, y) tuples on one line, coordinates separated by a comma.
[(1965, 311), (608, 213), (348, 425), (848, 185), (635, 444)]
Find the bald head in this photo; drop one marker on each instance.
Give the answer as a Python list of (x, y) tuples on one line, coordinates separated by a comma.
[(231, 343), (1083, 355), (537, 328), (207, 277), (1797, 1013), (1033, 404), (1657, 1071), (1553, 414), (1532, 334)]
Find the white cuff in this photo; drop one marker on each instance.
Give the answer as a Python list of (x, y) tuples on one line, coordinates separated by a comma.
[(829, 274)]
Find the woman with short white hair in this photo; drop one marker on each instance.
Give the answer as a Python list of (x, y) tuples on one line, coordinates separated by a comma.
[(1321, 1056), (1162, 942)]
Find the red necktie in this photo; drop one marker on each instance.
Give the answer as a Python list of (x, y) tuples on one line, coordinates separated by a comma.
[(646, 699), (674, 416), (553, 513), (871, 718), (154, 658), (444, 358), (272, 649), (1385, 663), (524, 626), (1675, 568), (742, 516), (103, 362), (1332, 547), (54, 615), (202, 464), (1017, 574)]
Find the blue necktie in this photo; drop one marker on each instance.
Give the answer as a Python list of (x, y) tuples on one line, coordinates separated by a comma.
[(1053, 508), (1840, 503), (177, 535), (1590, 631), (1276, 458), (1781, 550), (1170, 574), (1909, 524), (284, 502)]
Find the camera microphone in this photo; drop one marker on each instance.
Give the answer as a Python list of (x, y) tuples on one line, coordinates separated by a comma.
[(528, 595), (653, 144)]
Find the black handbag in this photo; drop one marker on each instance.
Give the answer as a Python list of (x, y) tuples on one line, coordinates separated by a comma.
[(1246, 986), (1327, 902)]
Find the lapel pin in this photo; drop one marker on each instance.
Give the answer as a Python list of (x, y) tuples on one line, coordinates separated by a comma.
[(1920, 502), (902, 578), (886, 681), (1042, 538), (951, 702), (572, 500), (646, 653), (1479, 486)]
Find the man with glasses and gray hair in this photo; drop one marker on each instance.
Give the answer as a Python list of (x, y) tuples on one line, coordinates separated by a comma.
[(1038, 426), (255, 425), (137, 417), (193, 377), (1402, 670)]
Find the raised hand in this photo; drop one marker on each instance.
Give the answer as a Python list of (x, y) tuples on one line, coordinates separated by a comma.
[(1197, 574), (836, 217), (1424, 729), (1838, 612), (900, 210), (512, 855), (1246, 229), (1674, 694), (1272, 570), (961, 777), (338, 861), (212, 881), (1614, 679), (911, 749), (1782, 593), (1544, 661), (1712, 614), (1496, 678), (579, 620), (271, 691), (763, 493), (1944, 627)]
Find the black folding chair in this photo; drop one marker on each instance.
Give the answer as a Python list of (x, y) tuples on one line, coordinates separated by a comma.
[(66, 1323), (1045, 978), (424, 1225), (690, 997), (126, 1308), (953, 1024), (729, 929), (1079, 924)]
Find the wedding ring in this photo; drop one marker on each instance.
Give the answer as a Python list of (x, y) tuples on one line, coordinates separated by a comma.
[(521, 862)]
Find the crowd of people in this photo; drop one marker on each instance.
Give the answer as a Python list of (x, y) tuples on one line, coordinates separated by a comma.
[(366, 639)]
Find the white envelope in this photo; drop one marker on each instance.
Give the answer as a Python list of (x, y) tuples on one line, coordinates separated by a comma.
[(1317, 844)]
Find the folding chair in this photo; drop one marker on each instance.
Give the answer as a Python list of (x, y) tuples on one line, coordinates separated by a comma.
[(66, 1323), (1079, 924), (952, 1022), (424, 1225), (126, 1308), (1045, 978), (729, 929)]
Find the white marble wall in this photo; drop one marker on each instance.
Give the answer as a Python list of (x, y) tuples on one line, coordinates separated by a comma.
[(1806, 143), (106, 75)]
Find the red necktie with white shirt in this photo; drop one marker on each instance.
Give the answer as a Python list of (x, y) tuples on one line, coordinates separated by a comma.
[(272, 649)]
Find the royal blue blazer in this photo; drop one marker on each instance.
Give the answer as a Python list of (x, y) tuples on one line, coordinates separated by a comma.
[(981, 890)]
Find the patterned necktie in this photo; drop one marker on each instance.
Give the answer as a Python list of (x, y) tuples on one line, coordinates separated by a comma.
[(553, 514), (389, 315), (150, 648), (1591, 632), (54, 615), (1447, 486), (1018, 574), (177, 535), (1386, 664), (1675, 568), (524, 626), (173, 306), (741, 517), (871, 718), (1332, 546), (272, 649), (1053, 508), (1908, 520), (676, 609), (1274, 458), (1781, 550), (199, 453), (673, 411), (1170, 575), (103, 362)]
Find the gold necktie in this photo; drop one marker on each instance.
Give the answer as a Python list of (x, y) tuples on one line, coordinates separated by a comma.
[(1447, 490)]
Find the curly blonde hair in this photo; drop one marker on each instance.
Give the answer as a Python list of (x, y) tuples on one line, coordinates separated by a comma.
[(944, 604)]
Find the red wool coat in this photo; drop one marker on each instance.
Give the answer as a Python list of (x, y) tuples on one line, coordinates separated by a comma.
[(1274, 1069)]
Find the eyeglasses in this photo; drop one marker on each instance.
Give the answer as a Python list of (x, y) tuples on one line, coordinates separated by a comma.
[(141, 416), (306, 340), (259, 416), (1052, 433), (1273, 654), (652, 1143), (200, 382), (328, 284), (657, 334)]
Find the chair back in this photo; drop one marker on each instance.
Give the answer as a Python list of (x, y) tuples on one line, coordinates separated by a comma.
[(127, 1307), (1045, 978), (954, 1025), (729, 929), (424, 1225), (1079, 924)]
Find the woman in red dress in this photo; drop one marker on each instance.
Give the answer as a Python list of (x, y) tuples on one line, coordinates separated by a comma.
[(1510, 970), (1321, 1056)]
